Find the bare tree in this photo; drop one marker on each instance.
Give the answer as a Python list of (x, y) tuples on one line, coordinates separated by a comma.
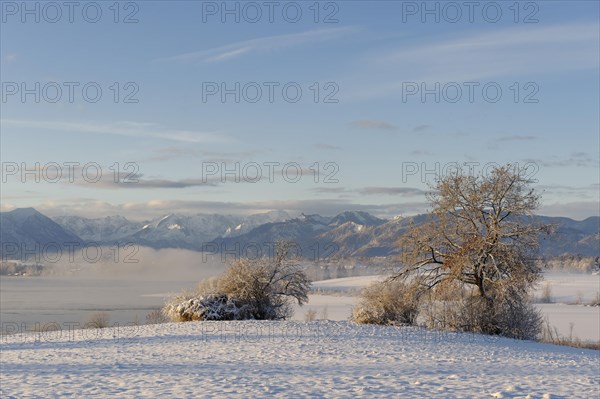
[(481, 233), (268, 285), (261, 289)]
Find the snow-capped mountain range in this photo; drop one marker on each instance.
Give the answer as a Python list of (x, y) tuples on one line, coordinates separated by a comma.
[(169, 231), (346, 234)]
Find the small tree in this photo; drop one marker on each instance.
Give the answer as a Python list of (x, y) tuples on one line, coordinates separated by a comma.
[(267, 285), (481, 234), (261, 289)]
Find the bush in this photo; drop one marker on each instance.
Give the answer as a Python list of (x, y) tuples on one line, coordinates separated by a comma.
[(546, 296), (388, 302), (156, 317), (310, 315), (98, 320), (215, 306), (596, 300), (508, 313), (324, 313), (517, 317), (260, 289)]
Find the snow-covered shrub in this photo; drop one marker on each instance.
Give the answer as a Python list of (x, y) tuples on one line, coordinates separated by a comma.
[(268, 286), (216, 306), (260, 289), (208, 286), (174, 310), (507, 312), (518, 318), (388, 302)]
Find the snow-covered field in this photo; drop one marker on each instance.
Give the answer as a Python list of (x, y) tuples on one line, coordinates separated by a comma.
[(289, 359), (569, 317), (329, 359), (571, 287)]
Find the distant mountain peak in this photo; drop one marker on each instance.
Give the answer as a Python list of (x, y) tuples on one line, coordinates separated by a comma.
[(313, 218), (26, 229), (358, 217), (25, 212)]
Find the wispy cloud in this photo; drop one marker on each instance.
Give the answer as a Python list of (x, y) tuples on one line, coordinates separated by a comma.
[(373, 124), (137, 181), (234, 156), (11, 57), (261, 45), (504, 52), (579, 159), (566, 191), (329, 190), (477, 57), (516, 138), (421, 128), (169, 153), (329, 147), (131, 129), (402, 191), (128, 181), (117, 180), (397, 191), (421, 152)]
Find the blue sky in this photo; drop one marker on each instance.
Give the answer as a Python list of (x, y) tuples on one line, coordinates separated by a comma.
[(365, 128)]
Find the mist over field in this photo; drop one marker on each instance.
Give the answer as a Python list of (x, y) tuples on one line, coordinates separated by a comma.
[(73, 291)]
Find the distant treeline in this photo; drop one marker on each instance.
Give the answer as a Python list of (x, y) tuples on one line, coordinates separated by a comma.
[(20, 269), (572, 262)]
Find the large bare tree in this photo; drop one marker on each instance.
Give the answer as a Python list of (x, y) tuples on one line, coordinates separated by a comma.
[(481, 233)]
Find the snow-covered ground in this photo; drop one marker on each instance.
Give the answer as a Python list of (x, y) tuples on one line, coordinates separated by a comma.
[(571, 287), (289, 359), (328, 359)]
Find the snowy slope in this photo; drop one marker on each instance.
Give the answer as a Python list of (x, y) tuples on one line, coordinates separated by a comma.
[(289, 359), (109, 228)]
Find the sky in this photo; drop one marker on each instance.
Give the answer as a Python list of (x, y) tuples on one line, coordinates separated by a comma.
[(145, 108)]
